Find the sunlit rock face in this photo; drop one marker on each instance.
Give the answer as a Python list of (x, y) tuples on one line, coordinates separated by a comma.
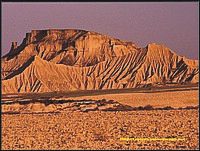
[(70, 59)]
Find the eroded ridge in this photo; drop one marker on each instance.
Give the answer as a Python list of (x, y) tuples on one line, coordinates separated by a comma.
[(66, 60)]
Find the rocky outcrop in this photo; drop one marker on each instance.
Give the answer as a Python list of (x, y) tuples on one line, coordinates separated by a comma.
[(65, 60)]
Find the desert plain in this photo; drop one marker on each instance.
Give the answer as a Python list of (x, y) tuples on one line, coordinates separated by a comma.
[(85, 121)]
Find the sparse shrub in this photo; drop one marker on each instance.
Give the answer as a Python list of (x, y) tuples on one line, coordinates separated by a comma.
[(139, 108), (104, 100), (24, 102), (148, 107), (47, 102)]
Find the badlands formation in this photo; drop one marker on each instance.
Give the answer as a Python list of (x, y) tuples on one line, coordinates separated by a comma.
[(162, 103), (66, 60)]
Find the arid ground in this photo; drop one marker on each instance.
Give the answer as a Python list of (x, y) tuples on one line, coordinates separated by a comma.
[(99, 121)]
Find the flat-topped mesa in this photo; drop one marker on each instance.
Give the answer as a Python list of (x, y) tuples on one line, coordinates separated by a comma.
[(37, 35), (57, 31), (69, 35)]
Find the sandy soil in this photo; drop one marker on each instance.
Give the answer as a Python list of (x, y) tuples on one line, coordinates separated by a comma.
[(158, 99), (100, 130)]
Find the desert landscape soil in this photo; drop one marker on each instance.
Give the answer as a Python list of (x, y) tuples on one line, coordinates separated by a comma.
[(35, 127), (101, 130)]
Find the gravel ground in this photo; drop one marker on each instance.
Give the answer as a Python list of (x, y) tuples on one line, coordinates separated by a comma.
[(101, 130)]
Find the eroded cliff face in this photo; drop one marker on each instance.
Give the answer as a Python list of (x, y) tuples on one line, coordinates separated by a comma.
[(65, 60)]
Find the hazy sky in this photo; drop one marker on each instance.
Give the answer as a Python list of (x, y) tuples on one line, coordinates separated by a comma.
[(174, 24)]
